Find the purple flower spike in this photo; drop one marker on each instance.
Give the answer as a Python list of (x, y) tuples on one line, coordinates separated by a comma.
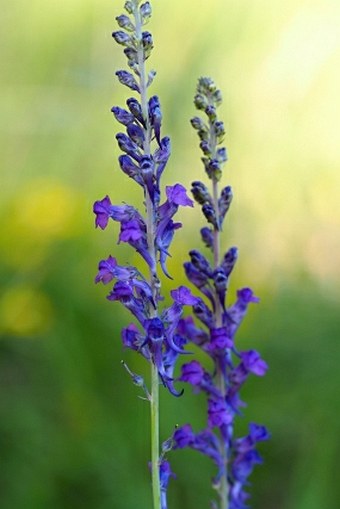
[(234, 457), (102, 209)]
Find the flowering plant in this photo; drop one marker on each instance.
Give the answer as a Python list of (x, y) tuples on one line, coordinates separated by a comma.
[(160, 333), (145, 156), (234, 457)]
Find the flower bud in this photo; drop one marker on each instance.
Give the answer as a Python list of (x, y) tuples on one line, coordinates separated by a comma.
[(213, 169), (205, 147), (129, 7), (151, 77), (147, 44), (121, 37), (132, 56), (128, 80), (155, 116), (200, 262), (211, 113), (221, 155), (127, 145), (203, 313), (125, 22), (147, 169), (135, 109), (217, 97), (200, 192), (229, 260), (197, 123), (204, 134), (123, 116), (220, 283), (200, 101), (129, 168), (207, 236), (209, 213), (206, 86), (136, 134), (219, 130), (145, 11), (225, 201)]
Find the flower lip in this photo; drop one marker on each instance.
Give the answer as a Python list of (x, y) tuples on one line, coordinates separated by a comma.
[(182, 295), (177, 194), (102, 209), (247, 295), (192, 373)]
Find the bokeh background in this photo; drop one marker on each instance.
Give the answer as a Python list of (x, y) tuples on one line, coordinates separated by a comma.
[(73, 433)]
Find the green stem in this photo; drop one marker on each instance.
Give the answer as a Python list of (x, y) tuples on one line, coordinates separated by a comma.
[(153, 279), (154, 404), (223, 486)]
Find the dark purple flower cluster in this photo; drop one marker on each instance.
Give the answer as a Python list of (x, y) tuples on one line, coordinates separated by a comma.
[(234, 457)]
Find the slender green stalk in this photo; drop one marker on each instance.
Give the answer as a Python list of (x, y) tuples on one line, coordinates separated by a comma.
[(154, 403), (223, 486), (154, 281)]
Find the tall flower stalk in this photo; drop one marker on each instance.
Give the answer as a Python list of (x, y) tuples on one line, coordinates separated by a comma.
[(234, 457), (145, 156)]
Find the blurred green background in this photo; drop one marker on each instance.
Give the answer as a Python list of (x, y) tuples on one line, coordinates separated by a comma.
[(73, 433)]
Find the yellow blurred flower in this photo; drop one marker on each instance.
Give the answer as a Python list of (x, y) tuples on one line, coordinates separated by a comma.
[(45, 210), (25, 311)]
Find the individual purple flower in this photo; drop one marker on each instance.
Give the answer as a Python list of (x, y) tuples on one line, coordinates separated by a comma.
[(102, 209), (219, 413), (131, 231), (257, 433), (187, 329), (129, 336), (165, 473), (192, 373), (123, 116), (253, 363), (220, 341), (164, 238), (177, 195), (183, 295), (184, 436), (234, 315), (127, 79), (106, 270)]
